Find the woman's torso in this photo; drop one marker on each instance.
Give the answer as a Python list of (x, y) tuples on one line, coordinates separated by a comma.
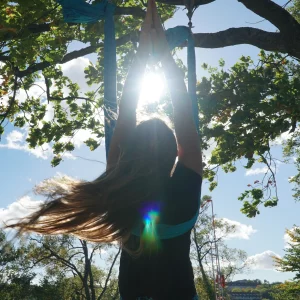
[(165, 272)]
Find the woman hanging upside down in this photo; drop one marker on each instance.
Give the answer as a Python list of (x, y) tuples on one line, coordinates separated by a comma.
[(140, 188)]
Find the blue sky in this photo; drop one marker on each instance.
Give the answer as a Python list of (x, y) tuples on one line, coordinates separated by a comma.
[(260, 237)]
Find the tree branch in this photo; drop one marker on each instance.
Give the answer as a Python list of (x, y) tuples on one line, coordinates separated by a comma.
[(74, 54), (40, 260), (206, 252), (46, 27), (74, 254), (287, 41), (269, 41), (109, 274), (274, 13), (203, 245), (265, 40), (31, 29), (93, 251), (132, 11), (197, 247), (58, 257), (183, 2), (87, 271), (4, 58)]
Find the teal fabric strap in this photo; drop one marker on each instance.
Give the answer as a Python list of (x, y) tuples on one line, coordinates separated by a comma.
[(110, 76), (165, 231)]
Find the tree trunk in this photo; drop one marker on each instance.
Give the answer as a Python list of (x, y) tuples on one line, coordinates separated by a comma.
[(86, 272), (208, 288)]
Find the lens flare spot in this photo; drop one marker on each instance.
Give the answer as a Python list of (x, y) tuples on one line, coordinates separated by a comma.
[(151, 89), (151, 213)]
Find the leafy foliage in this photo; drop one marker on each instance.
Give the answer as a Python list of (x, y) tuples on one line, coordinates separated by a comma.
[(69, 267), (35, 42), (292, 151), (66, 266), (243, 111), (287, 290), (268, 291), (233, 261), (291, 260)]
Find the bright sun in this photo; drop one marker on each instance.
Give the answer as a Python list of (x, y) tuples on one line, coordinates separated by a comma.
[(152, 88)]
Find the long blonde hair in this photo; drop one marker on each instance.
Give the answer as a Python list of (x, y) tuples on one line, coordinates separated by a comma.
[(107, 208)]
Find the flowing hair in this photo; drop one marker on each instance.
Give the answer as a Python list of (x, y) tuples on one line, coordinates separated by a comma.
[(107, 208)]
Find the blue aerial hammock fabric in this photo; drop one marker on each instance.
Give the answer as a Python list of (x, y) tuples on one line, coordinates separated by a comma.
[(78, 11), (176, 37)]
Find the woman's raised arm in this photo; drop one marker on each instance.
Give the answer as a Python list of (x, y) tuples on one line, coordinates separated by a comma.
[(127, 109), (189, 151)]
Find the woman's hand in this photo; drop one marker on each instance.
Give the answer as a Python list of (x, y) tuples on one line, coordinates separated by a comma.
[(145, 43), (160, 43), (147, 33)]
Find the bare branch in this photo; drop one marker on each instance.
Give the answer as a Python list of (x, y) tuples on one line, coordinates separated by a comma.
[(275, 14), (93, 251), (205, 253), (270, 41), (58, 257), (87, 271), (197, 246), (40, 260), (4, 57), (74, 254), (109, 274)]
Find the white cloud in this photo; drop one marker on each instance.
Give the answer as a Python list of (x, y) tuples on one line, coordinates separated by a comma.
[(19, 209), (207, 152), (239, 231), (74, 69), (14, 137), (262, 261), (256, 171), (37, 90), (287, 240), (282, 138), (49, 115), (80, 136), (16, 140)]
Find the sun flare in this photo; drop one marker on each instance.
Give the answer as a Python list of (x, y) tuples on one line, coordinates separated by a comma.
[(152, 88)]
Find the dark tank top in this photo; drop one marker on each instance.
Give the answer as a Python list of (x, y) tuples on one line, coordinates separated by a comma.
[(166, 272)]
